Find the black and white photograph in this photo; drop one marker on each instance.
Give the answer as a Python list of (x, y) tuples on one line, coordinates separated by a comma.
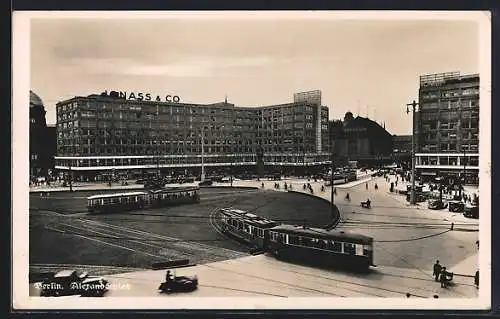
[(262, 160)]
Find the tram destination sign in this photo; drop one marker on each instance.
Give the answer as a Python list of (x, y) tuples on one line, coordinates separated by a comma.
[(141, 96)]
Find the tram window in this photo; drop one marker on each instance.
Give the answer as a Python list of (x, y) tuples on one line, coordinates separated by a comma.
[(306, 241), (349, 249), (273, 236), (240, 225), (260, 232), (359, 250), (334, 246), (247, 228), (293, 240), (321, 244)]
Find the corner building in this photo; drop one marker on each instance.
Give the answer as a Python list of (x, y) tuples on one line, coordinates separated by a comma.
[(111, 134), (448, 127)]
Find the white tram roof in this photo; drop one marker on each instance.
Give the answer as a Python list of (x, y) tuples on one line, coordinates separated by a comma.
[(116, 195), (175, 189), (249, 216), (321, 233)]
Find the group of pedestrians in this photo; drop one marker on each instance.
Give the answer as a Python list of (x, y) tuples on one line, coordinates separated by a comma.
[(441, 275), (444, 277)]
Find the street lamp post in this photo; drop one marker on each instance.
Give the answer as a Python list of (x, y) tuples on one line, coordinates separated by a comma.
[(70, 173), (331, 181), (202, 177), (232, 160), (465, 165), (413, 106)]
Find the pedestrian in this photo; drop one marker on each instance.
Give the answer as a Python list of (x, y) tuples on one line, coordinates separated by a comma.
[(444, 278), (452, 224), (477, 243), (366, 185), (476, 279), (437, 270)]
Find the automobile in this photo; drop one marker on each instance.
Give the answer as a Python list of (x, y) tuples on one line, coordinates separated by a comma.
[(93, 287), (456, 206), (471, 211), (179, 284), (63, 283), (419, 197), (206, 182), (436, 204)]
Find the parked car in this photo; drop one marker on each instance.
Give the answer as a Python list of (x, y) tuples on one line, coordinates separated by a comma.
[(436, 204), (471, 211), (456, 206), (206, 182)]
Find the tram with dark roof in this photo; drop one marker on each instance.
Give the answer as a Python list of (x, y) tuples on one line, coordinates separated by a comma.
[(330, 248), (119, 202), (319, 246)]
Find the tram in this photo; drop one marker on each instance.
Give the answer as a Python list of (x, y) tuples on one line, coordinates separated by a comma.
[(319, 246), (245, 226), (109, 203), (119, 202), (288, 242)]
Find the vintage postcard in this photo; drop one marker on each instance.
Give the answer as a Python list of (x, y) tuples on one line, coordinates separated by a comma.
[(257, 160)]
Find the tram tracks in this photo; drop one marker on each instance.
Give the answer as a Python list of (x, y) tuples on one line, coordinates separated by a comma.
[(154, 246)]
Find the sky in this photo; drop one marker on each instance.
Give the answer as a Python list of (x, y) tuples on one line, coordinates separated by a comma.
[(370, 68)]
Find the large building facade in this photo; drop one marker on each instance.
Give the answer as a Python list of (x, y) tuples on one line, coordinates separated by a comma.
[(119, 132), (447, 133), (41, 141), (360, 139)]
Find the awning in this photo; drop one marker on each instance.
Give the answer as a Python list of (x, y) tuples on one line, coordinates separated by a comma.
[(429, 173)]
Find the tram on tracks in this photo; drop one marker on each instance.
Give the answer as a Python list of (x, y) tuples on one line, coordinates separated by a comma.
[(290, 242), (245, 226), (119, 202)]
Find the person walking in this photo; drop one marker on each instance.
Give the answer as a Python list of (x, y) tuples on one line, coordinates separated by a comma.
[(444, 278), (437, 270)]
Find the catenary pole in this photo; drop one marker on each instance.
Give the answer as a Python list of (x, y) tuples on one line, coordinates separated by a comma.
[(413, 106)]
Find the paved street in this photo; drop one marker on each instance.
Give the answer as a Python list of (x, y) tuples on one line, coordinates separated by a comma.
[(407, 242), (404, 236)]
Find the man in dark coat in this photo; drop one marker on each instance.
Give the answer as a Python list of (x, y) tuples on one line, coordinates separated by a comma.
[(437, 270)]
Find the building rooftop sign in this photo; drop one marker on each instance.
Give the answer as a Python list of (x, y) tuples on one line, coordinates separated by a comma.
[(140, 96), (438, 78), (313, 97)]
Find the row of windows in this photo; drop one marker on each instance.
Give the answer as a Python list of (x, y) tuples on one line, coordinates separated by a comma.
[(247, 158), (186, 109), (448, 160), (451, 93), (249, 229), (455, 147), (334, 246), (447, 135), (443, 125)]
